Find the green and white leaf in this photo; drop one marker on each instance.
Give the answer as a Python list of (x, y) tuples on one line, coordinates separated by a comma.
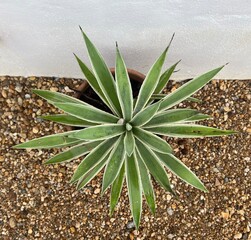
[(93, 158), (68, 120), (103, 76), (134, 188), (197, 117), (100, 132), (73, 153), (115, 162), (150, 83), (56, 97), (161, 96), (145, 115), (52, 141), (116, 189), (87, 113), (91, 79), (189, 131), (154, 166), (171, 116), (181, 170), (152, 141), (164, 78), (123, 87), (91, 173), (146, 183), (187, 89), (129, 143)]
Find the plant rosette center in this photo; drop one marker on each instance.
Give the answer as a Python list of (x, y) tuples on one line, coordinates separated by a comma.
[(128, 126)]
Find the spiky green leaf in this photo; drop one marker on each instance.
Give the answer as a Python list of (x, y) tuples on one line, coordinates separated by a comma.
[(197, 117), (103, 76), (73, 153), (123, 86), (145, 115), (129, 143), (151, 140), (193, 99), (181, 170), (161, 96), (91, 173), (164, 78), (55, 97), (68, 120), (116, 189), (99, 132), (93, 158), (171, 116), (150, 83), (189, 131), (52, 141), (154, 166), (115, 162), (91, 79), (134, 188), (146, 184), (187, 89), (87, 113)]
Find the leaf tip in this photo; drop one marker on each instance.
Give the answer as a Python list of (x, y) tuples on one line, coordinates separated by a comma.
[(171, 40), (72, 180), (46, 163), (136, 223), (19, 146), (35, 91), (80, 28), (111, 211)]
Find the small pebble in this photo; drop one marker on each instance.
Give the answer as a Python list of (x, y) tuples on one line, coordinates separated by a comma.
[(27, 96), (130, 225), (4, 93), (77, 225), (35, 130), (18, 88), (97, 191), (53, 89), (170, 236), (170, 211), (168, 197), (238, 236), (12, 222), (20, 101), (217, 182)]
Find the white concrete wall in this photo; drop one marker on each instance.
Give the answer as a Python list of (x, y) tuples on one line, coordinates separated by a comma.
[(37, 37)]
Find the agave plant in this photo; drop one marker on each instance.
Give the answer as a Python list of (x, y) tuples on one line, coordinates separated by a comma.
[(126, 142)]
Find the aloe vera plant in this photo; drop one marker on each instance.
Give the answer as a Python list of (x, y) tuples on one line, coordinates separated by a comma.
[(126, 142)]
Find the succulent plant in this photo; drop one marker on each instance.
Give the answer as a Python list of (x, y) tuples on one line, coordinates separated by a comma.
[(126, 142)]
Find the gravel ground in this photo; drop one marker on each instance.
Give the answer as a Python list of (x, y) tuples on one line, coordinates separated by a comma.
[(37, 202)]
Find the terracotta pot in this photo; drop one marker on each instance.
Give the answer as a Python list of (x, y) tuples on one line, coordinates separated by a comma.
[(133, 74)]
